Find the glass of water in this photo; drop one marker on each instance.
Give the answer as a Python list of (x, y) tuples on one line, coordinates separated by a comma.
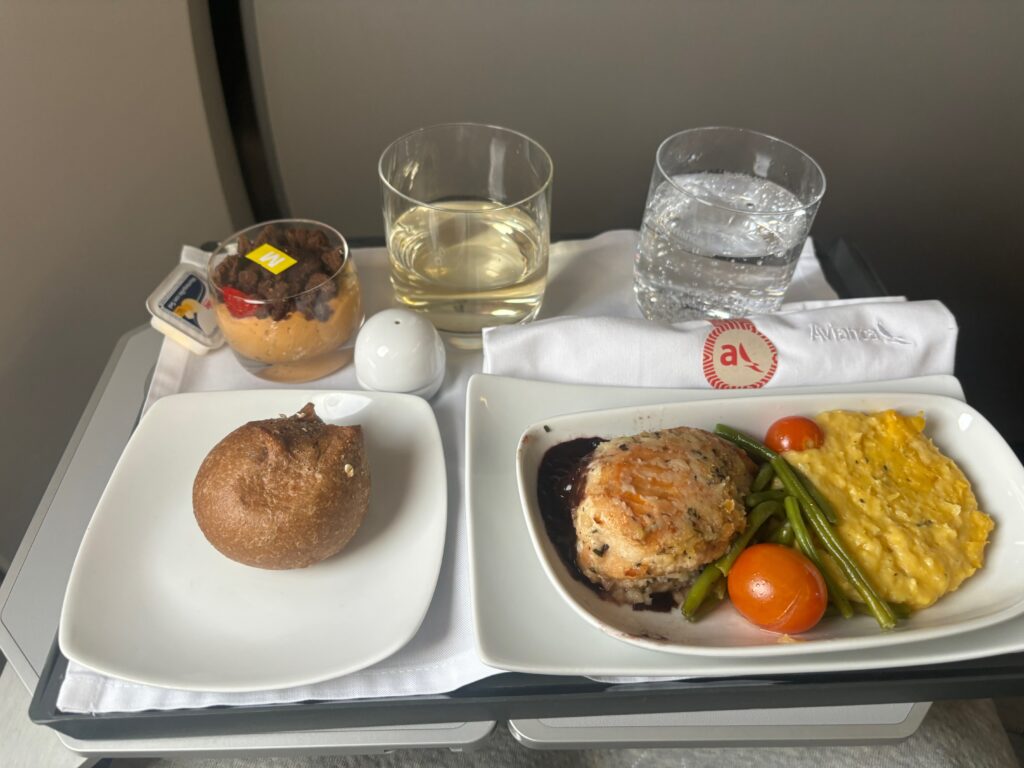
[(727, 215), (467, 224)]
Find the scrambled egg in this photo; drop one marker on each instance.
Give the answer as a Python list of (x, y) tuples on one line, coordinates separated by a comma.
[(906, 512)]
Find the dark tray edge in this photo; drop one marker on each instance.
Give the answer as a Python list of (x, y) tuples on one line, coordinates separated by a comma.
[(513, 695)]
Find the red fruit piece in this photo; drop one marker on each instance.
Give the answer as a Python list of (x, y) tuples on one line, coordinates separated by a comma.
[(235, 301)]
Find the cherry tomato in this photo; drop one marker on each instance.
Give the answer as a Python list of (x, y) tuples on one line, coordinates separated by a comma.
[(777, 588), (794, 433)]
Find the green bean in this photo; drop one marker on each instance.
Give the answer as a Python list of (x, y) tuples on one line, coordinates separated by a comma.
[(748, 444), (753, 499), (792, 484), (806, 545), (879, 608), (712, 573), (755, 520), (783, 470), (763, 478), (770, 528), (699, 591), (815, 494), (835, 594), (900, 610), (783, 535), (801, 535)]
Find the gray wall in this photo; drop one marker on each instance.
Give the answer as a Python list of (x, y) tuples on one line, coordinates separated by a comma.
[(108, 165), (915, 109)]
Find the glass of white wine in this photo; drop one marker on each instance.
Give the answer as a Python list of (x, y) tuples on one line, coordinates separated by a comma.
[(467, 222)]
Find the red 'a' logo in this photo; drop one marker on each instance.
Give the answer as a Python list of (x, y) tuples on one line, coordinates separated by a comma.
[(738, 356)]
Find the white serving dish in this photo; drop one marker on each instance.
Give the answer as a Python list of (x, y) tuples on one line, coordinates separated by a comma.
[(523, 624), (151, 601), (990, 596)]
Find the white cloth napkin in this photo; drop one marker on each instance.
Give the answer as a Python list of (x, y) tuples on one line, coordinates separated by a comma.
[(586, 278), (839, 342)]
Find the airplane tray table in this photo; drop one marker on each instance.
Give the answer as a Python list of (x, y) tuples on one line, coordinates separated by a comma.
[(508, 695)]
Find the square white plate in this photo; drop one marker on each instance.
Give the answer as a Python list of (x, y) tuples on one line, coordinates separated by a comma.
[(991, 595), (524, 625), (150, 600)]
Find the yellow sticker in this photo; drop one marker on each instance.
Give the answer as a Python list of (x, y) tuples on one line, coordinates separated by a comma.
[(271, 259)]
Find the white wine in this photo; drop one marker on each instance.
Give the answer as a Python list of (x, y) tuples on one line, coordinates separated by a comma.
[(468, 266)]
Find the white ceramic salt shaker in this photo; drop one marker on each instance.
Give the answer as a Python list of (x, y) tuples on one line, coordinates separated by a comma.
[(400, 351)]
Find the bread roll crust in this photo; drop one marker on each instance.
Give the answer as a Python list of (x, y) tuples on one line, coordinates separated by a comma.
[(283, 493)]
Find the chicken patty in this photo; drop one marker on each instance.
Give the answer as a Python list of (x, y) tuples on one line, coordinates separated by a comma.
[(656, 507)]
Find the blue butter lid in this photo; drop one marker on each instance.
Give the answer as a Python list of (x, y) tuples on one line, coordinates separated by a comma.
[(182, 308)]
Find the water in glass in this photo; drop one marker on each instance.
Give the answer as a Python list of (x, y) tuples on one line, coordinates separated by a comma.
[(703, 251)]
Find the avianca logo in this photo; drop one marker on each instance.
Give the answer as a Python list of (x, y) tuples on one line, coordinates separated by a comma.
[(730, 353), (737, 355), (879, 333)]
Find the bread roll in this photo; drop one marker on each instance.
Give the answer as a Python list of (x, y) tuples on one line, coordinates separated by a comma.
[(283, 493)]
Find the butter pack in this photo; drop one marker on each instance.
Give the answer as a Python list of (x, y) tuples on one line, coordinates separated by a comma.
[(182, 309)]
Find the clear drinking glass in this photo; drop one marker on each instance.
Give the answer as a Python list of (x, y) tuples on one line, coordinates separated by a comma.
[(727, 215), (467, 223)]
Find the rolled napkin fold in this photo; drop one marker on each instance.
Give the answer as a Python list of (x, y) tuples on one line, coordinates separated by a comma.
[(842, 342)]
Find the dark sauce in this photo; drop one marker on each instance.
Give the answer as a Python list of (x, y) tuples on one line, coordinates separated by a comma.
[(661, 602), (559, 490), (560, 480)]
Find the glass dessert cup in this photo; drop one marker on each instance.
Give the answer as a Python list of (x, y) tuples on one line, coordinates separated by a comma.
[(289, 312)]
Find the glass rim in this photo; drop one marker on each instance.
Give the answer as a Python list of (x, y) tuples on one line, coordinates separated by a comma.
[(748, 132), (544, 186), (222, 246)]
